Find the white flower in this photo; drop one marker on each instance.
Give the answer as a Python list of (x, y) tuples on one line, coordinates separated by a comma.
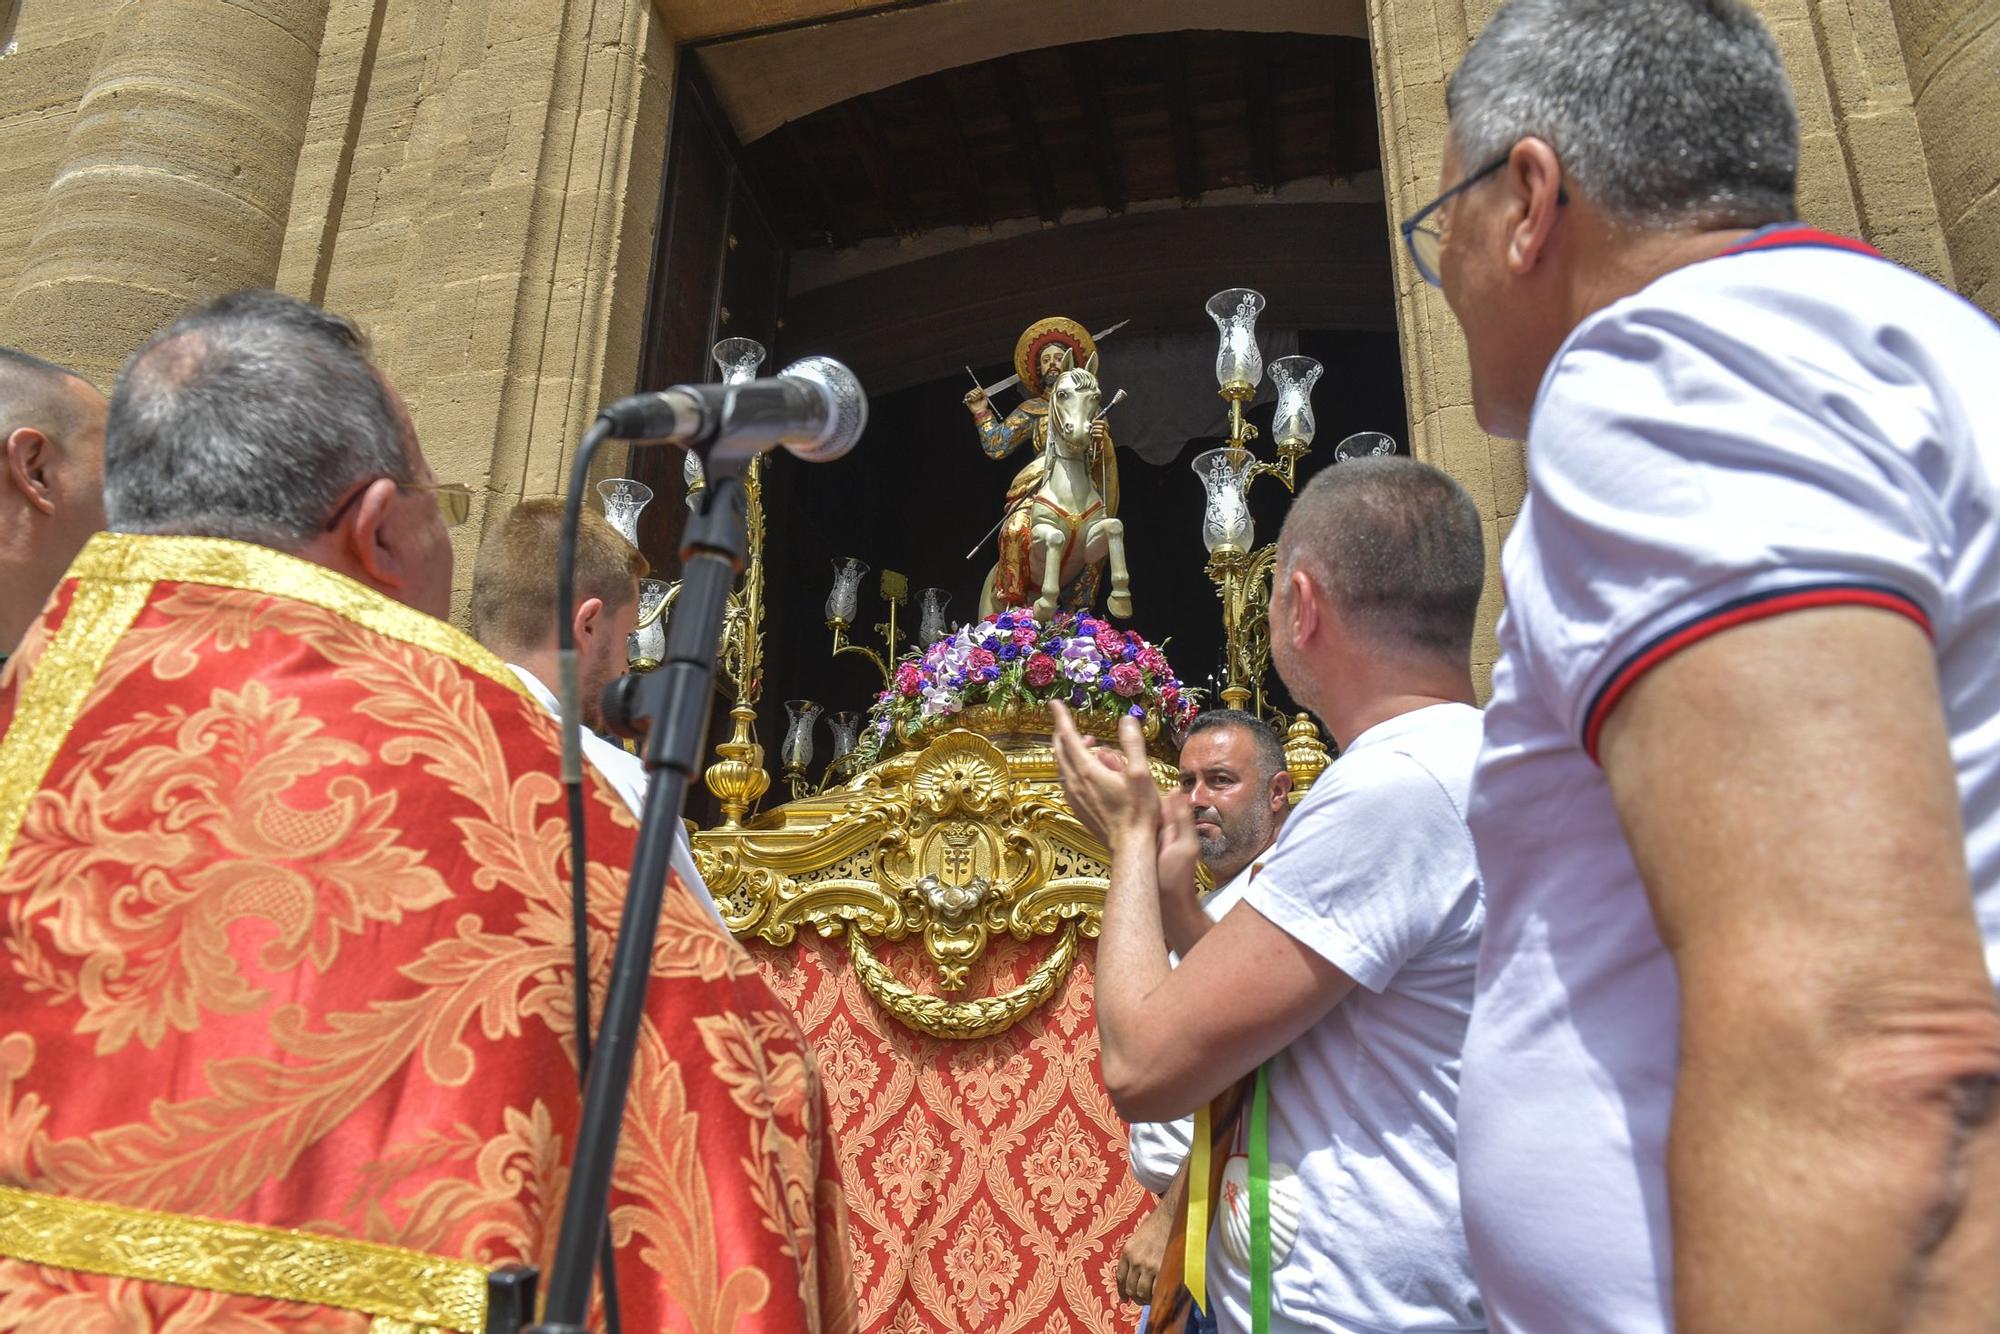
[(940, 700)]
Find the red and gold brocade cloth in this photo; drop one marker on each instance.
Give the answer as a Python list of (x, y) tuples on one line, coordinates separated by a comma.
[(987, 1180), (283, 869)]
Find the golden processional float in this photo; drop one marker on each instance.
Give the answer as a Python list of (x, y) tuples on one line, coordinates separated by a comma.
[(926, 905)]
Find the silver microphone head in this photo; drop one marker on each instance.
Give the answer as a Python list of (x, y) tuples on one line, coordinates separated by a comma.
[(847, 409)]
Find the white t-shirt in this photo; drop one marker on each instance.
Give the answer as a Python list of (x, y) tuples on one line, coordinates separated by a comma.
[(1374, 872), (1786, 427), (1158, 1148), (626, 773)]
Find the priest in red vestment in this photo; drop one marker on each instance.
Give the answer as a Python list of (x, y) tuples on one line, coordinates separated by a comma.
[(284, 921)]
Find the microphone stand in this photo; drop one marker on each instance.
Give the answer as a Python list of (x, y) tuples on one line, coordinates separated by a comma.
[(671, 704)]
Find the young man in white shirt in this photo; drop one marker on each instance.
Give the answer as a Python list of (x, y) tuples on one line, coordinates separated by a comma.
[(1345, 971), (1733, 1059), (1238, 789), (514, 614)]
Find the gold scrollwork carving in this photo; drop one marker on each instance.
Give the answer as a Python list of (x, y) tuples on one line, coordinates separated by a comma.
[(951, 844), (962, 1020)]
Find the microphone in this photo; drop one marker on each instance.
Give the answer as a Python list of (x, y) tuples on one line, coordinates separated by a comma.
[(815, 408)]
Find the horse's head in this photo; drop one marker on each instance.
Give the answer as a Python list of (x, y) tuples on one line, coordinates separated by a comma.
[(1073, 400)]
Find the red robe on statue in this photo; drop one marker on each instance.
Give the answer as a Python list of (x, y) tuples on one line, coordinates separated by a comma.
[(284, 939)]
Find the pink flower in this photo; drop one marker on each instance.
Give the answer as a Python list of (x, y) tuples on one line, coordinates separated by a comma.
[(1153, 660), (1041, 670), (909, 679), (1111, 644), (1024, 635), (1126, 680), (979, 657)]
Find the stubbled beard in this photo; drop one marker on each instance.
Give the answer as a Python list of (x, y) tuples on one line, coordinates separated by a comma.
[(1212, 845)]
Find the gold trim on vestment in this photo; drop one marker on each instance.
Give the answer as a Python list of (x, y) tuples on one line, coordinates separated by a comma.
[(136, 558), (115, 574), (52, 696), (402, 1288)]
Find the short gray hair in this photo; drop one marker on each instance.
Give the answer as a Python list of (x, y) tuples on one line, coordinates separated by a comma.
[(1397, 546), (249, 417), (1263, 737), (1667, 113)]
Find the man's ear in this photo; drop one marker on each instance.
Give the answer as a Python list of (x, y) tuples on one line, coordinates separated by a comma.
[(372, 541), (1281, 790), (588, 619), (1305, 602), (28, 458), (1534, 174)]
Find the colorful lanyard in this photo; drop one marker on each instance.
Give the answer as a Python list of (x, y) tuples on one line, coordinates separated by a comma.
[(1194, 1271), (1260, 1204)]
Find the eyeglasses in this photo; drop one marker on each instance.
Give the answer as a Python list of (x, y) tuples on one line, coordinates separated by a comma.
[(1426, 243), (454, 500)]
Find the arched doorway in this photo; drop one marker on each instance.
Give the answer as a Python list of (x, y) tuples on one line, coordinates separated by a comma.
[(915, 229)]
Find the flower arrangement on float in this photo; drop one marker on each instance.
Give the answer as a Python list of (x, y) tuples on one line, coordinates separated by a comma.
[(1003, 673)]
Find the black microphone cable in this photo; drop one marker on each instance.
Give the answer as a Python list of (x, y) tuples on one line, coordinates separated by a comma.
[(570, 723)]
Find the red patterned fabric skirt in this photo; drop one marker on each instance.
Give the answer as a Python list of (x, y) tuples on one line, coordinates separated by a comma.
[(987, 1181)]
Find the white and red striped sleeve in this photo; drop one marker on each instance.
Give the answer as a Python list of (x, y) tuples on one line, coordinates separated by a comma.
[(1696, 464)]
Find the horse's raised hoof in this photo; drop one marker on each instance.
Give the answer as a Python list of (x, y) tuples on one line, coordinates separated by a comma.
[(1119, 605), (1044, 608)]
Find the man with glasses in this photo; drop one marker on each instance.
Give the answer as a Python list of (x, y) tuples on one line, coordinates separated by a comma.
[(1733, 1058), (288, 933)]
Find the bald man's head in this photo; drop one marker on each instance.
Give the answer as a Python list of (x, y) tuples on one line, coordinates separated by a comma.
[(51, 481)]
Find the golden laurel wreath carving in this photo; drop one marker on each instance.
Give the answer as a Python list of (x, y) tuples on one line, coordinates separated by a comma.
[(953, 845)]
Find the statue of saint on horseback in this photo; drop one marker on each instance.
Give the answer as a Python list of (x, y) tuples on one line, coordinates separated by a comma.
[(1060, 526)]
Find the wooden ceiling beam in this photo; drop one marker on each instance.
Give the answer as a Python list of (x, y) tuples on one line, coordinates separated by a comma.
[(878, 160), (1180, 118), (833, 219), (971, 185), (1028, 136), (1260, 78), (1086, 75)]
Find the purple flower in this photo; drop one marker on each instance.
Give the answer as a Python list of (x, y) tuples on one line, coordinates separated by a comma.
[(1076, 697), (990, 643), (1009, 652), (1131, 652), (1136, 712)]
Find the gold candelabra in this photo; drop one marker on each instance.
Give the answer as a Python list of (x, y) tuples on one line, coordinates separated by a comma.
[(1240, 570), (841, 611)]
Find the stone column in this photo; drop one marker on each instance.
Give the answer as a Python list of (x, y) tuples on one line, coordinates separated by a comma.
[(1415, 45), (175, 178), (1952, 51)]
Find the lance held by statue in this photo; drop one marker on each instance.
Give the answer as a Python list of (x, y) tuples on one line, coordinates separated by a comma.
[(1060, 526)]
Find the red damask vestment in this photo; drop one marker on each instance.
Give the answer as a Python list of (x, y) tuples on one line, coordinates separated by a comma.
[(284, 938)]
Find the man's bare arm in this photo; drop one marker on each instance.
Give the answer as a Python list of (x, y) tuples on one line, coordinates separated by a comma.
[(1790, 799)]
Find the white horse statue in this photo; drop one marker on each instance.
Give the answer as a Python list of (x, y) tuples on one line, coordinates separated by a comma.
[(1056, 525)]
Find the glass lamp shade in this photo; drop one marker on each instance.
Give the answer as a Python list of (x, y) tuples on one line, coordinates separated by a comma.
[(846, 729), (623, 499), (738, 359), (1238, 363), (840, 603), (693, 478), (931, 603), (645, 646), (1295, 377), (1225, 522), (1363, 444), (797, 751)]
